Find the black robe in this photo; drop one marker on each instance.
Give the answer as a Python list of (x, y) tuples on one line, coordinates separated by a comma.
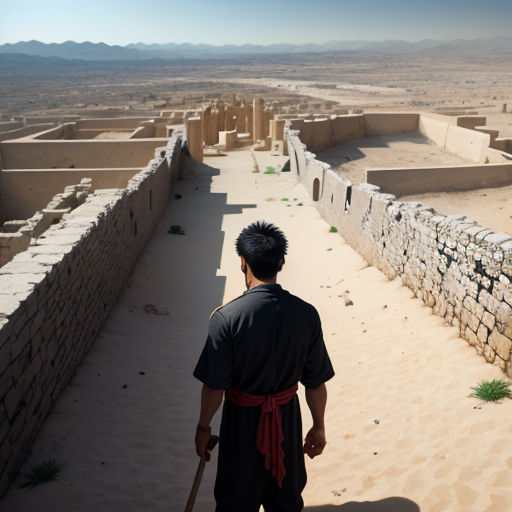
[(263, 342)]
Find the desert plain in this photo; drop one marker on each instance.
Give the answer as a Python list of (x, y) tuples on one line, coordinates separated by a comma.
[(404, 434)]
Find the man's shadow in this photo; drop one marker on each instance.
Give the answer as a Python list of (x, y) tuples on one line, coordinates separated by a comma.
[(394, 504)]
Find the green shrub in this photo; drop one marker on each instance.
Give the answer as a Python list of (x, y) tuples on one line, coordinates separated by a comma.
[(42, 473), (175, 229), (270, 170), (333, 230), (492, 391)]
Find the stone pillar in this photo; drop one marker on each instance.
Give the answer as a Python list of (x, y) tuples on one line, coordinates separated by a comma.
[(228, 120), (205, 122), (257, 119), (248, 121), (222, 117), (213, 127), (195, 138), (277, 129), (267, 116), (240, 119)]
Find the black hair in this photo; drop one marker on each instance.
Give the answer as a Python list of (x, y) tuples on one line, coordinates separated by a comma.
[(263, 247)]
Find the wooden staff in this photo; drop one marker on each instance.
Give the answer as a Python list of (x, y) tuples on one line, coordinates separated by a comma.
[(199, 475)]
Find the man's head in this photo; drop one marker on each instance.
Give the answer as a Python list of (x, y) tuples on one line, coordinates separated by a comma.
[(262, 247)]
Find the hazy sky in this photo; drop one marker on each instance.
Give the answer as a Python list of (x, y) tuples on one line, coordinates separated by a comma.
[(255, 21)]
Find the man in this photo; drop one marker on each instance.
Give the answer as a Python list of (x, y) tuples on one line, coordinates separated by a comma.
[(259, 347)]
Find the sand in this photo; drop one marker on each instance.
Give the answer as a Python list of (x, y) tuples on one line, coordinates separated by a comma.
[(345, 93), (131, 449), (490, 207), (502, 122), (113, 135), (351, 158)]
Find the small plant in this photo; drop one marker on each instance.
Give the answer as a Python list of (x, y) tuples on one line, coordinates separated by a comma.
[(177, 196), (492, 391), (299, 204), (333, 230), (175, 229), (270, 170), (284, 199), (42, 473)]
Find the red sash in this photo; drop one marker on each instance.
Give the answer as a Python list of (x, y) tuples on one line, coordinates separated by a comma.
[(270, 432)]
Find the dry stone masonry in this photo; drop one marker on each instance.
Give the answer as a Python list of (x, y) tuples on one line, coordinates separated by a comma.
[(460, 269), (56, 295)]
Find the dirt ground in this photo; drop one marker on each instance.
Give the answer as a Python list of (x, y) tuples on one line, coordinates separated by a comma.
[(405, 82), (490, 207), (351, 158), (403, 433)]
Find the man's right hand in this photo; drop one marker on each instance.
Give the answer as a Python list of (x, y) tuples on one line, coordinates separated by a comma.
[(315, 442)]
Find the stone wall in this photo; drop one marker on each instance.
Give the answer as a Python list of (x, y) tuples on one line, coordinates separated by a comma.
[(420, 180), (16, 235), (460, 269), (97, 153), (320, 134), (24, 131), (63, 131), (55, 297), (23, 191), (459, 140)]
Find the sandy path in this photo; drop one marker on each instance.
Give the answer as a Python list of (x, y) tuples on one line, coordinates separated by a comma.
[(395, 363)]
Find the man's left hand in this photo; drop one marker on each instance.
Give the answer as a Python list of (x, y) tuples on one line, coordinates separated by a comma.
[(315, 442)]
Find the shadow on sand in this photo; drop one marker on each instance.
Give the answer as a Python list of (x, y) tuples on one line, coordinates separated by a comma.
[(351, 150), (394, 504)]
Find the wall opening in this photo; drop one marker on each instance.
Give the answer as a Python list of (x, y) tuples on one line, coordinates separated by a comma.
[(316, 189), (296, 161), (150, 199), (348, 198), (332, 198)]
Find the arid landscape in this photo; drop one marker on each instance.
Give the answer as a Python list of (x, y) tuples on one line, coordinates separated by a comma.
[(388, 166), (370, 81)]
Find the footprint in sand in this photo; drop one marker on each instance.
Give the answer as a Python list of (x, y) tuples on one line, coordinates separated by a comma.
[(153, 310)]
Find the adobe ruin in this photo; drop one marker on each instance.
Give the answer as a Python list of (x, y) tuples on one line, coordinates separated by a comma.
[(79, 201)]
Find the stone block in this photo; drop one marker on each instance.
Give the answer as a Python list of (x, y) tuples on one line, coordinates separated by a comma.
[(12, 401), (500, 343), (497, 238), (488, 320), (482, 333), (489, 353), (470, 336), (503, 315), (500, 362), (20, 341)]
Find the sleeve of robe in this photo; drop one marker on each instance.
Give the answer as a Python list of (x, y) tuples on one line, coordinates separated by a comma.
[(215, 365), (318, 368)]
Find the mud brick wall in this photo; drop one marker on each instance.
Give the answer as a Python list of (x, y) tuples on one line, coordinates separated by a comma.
[(55, 296), (463, 271)]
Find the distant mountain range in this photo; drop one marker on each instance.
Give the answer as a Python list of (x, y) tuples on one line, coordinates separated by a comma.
[(87, 51)]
